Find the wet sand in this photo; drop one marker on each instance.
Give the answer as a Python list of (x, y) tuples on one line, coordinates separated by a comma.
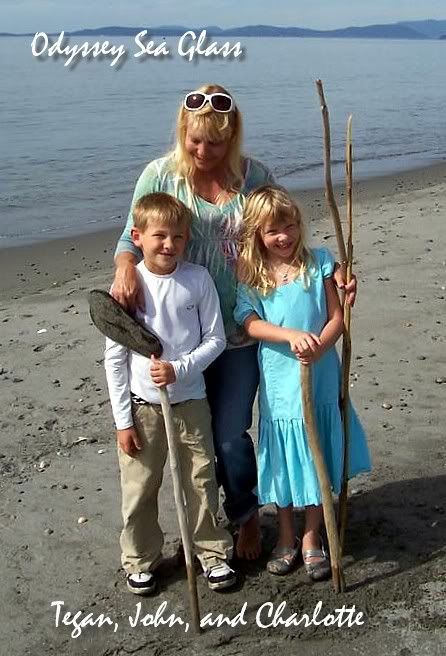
[(58, 460)]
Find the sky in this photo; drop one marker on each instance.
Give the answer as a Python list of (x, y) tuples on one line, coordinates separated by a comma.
[(57, 15)]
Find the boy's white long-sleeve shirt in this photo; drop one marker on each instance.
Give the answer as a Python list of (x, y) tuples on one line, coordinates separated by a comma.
[(182, 309)]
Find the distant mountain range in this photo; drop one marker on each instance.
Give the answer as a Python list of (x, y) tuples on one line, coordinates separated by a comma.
[(425, 29)]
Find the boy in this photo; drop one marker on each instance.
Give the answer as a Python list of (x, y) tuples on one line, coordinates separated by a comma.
[(182, 310)]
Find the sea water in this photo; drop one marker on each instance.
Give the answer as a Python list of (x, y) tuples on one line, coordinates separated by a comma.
[(75, 138)]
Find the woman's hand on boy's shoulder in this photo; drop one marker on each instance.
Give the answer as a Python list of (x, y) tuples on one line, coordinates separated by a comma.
[(129, 440), (126, 287)]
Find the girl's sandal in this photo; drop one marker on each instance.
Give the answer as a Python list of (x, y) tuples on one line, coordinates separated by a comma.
[(317, 570), (282, 559)]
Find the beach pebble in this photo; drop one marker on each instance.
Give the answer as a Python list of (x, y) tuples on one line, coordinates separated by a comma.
[(421, 357), (387, 406), (43, 464), (440, 380), (64, 453), (49, 531), (100, 451), (41, 331), (82, 520)]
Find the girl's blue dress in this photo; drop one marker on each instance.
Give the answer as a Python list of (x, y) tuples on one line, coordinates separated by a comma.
[(286, 472)]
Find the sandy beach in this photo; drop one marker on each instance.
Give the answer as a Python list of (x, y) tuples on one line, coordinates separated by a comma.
[(58, 456)]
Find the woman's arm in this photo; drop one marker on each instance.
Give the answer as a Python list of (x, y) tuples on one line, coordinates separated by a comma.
[(126, 289)]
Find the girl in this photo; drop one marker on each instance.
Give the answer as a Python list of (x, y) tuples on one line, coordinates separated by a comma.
[(287, 300)]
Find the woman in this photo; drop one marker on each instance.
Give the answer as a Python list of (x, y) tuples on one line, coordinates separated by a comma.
[(207, 171)]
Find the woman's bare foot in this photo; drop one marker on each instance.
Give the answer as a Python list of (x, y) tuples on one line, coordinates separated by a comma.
[(249, 539)]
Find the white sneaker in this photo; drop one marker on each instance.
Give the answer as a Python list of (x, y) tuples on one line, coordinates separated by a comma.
[(141, 583), (220, 576)]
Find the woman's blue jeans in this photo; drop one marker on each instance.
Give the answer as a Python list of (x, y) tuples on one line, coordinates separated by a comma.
[(231, 385)]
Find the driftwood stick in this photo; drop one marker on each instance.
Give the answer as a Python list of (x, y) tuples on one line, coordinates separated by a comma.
[(329, 193), (324, 481), (346, 343), (180, 507)]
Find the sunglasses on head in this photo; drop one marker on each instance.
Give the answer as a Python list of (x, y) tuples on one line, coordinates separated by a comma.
[(220, 102)]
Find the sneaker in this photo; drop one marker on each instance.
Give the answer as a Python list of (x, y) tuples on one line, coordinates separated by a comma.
[(141, 583), (220, 576)]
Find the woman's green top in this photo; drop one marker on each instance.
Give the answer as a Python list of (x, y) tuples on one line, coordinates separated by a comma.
[(214, 231)]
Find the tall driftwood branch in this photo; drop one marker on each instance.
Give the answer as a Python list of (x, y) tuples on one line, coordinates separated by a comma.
[(180, 507), (324, 481), (329, 193), (346, 343)]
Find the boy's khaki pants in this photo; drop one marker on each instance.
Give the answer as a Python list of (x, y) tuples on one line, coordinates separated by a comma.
[(141, 478)]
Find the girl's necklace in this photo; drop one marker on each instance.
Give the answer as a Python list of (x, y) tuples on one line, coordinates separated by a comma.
[(283, 276)]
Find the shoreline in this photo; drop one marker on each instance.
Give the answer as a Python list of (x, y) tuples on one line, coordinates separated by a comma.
[(41, 265)]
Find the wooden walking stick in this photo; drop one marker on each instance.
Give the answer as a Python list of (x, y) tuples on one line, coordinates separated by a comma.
[(346, 344), (346, 256), (324, 481), (329, 193), (178, 491), (116, 323)]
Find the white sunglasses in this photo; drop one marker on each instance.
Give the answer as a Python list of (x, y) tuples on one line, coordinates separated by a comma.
[(220, 102)]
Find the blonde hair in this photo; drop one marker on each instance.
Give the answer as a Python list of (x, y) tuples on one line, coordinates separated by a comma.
[(269, 203), (160, 208), (213, 126)]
